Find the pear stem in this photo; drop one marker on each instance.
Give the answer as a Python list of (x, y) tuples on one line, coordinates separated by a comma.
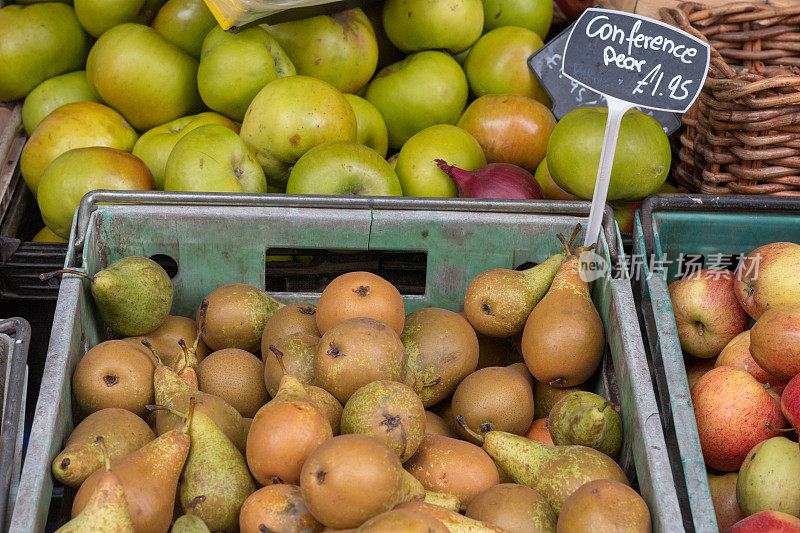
[(465, 427), (278, 356), (156, 407), (150, 347), (49, 275), (106, 459), (564, 242), (575, 232)]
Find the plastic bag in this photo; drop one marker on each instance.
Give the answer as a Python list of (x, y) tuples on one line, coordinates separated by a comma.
[(231, 13)]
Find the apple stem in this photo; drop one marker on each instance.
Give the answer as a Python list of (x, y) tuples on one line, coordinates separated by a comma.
[(780, 430), (700, 328), (49, 275)]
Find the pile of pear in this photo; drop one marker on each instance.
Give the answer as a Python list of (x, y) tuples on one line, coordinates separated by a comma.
[(257, 416)]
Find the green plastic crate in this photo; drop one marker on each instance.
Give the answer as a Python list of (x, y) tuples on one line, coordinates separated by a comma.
[(699, 227), (224, 240)]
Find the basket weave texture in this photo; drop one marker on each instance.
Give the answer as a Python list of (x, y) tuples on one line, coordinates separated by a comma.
[(742, 135)]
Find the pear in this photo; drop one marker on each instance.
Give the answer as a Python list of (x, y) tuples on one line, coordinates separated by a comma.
[(563, 339), (297, 352), (514, 508), (769, 479), (149, 478), (497, 302), (545, 397), (277, 508), (284, 432), (351, 478), (403, 521), (189, 523), (173, 392), (165, 337), (329, 406), (389, 411), (454, 522), (555, 472), (442, 499), (587, 419), (217, 471), (133, 294), (122, 431), (237, 315), (107, 509), (605, 506)]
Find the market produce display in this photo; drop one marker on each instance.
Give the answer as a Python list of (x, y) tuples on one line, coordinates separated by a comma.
[(744, 386), (378, 420), (321, 103)]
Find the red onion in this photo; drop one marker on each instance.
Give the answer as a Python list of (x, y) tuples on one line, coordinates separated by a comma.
[(495, 180)]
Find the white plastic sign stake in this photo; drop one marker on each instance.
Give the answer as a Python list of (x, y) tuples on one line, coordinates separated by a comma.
[(633, 61)]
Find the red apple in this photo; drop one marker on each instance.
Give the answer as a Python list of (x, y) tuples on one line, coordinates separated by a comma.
[(707, 314), (790, 401), (769, 276), (775, 341), (767, 522), (510, 128), (737, 355), (734, 412), (723, 494), (697, 370), (572, 9)]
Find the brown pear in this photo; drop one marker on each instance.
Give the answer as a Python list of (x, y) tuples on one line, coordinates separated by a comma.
[(496, 351), (277, 508), (107, 510), (515, 508), (455, 522), (283, 434), (545, 397), (329, 406), (236, 317), (149, 479), (442, 350), (114, 374), (236, 376), (351, 478), (288, 320), (453, 466), (297, 352), (165, 338), (403, 521), (563, 339), (605, 506), (435, 425), (123, 432), (495, 398)]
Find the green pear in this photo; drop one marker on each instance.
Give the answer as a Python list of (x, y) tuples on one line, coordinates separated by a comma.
[(143, 76), (769, 479), (213, 158), (586, 419), (99, 16), (39, 42), (185, 23), (189, 524), (340, 48), (555, 472), (235, 67), (52, 94), (155, 145), (107, 508), (371, 128), (133, 294), (422, 90), (216, 470)]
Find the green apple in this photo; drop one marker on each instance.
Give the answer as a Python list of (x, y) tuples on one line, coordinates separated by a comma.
[(52, 94), (81, 170), (290, 116), (73, 125), (234, 67), (498, 64), (414, 25), (185, 23), (371, 127), (155, 145), (38, 42), (340, 49), (550, 190), (641, 160), (143, 76), (213, 158), (46, 235), (418, 173), (424, 89), (535, 15), (343, 168), (99, 16)]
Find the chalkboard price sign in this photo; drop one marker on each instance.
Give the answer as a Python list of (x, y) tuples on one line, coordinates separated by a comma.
[(636, 59)]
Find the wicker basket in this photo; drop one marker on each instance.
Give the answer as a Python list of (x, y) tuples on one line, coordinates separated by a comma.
[(742, 136)]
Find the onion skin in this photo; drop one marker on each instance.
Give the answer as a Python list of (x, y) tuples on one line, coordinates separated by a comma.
[(502, 181)]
